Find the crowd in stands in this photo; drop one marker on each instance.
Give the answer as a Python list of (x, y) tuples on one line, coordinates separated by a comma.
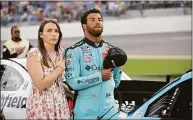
[(33, 12)]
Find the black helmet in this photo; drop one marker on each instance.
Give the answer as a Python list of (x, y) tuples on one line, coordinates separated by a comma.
[(116, 57)]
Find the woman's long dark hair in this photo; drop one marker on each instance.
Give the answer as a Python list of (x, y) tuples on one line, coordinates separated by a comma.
[(41, 46)]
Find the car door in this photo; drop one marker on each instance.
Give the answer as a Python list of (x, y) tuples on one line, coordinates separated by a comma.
[(15, 87)]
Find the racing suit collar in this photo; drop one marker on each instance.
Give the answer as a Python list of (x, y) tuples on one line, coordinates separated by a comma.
[(91, 43)]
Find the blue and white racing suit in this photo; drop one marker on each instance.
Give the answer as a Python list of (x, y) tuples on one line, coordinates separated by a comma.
[(84, 62)]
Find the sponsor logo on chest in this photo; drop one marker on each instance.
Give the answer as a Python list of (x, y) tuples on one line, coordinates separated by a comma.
[(87, 59), (92, 67), (85, 49)]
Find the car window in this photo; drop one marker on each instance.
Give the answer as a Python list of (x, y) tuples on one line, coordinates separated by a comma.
[(11, 79), (171, 104), (183, 106)]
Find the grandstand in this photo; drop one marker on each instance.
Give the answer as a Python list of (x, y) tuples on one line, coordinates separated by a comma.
[(33, 12)]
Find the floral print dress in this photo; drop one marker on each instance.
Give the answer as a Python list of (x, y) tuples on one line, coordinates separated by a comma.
[(50, 103)]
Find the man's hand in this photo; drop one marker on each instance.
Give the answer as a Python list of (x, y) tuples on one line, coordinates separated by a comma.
[(106, 74)]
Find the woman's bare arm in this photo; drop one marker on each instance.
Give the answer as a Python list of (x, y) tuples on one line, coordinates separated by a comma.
[(36, 73)]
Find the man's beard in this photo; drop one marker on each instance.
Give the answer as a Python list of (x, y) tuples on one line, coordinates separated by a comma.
[(93, 32), (16, 39)]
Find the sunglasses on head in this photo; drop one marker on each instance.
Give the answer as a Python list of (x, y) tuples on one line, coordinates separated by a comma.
[(48, 19)]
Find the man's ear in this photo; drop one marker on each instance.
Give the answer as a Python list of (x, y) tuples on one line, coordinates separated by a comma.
[(84, 26)]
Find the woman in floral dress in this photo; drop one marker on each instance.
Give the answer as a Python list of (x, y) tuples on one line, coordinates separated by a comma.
[(45, 64)]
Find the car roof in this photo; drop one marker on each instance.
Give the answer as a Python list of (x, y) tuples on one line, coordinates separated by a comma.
[(177, 81), (21, 61)]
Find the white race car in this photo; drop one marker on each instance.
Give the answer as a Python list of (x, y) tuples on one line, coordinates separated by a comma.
[(15, 87)]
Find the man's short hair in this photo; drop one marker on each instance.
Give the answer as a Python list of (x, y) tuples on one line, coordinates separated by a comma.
[(84, 16), (15, 26)]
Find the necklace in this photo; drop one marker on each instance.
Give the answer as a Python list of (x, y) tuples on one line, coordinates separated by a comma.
[(52, 63), (52, 57)]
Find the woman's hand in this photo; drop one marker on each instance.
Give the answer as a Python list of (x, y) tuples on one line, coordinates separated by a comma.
[(69, 93), (60, 63)]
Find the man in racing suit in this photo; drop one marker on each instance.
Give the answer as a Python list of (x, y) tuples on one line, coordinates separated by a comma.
[(84, 72)]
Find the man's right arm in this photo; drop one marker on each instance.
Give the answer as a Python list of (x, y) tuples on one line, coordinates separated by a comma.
[(73, 72), (6, 53)]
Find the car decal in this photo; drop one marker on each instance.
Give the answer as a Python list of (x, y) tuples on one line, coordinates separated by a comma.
[(13, 101)]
